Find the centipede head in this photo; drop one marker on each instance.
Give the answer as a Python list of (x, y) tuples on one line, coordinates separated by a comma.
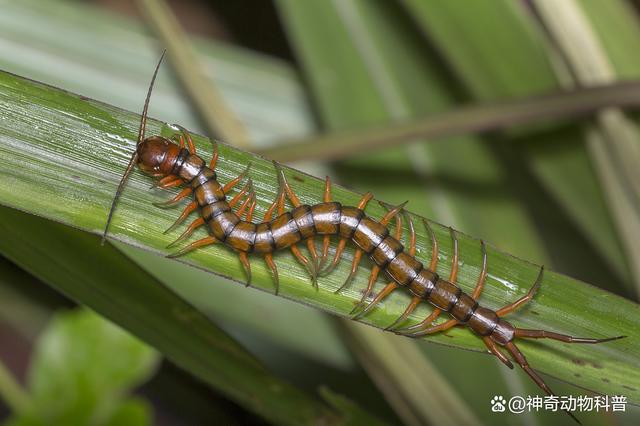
[(151, 155)]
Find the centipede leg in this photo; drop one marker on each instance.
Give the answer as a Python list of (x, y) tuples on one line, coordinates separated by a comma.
[(179, 139), (419, 329), (493, 348), (187, 233), (248, 187), (373, 277), (524, 299), (214, 157), (543, 334), (475, 295), (357, 257), (195, 245), (167, 182), (274, 269), (269, 257), (175, 200), (362, 204), (376, 270), (187, 136), (432, 266), (327, 238), (247, 266), (191, 207), (286, 189), (522, 362), (226, 188), (249, 201), (389, 287)]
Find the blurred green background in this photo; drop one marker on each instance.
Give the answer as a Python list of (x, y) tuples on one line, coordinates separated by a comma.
[(560, 193)]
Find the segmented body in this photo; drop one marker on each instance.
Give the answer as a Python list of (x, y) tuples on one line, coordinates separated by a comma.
[(333, 219), (176, 165)]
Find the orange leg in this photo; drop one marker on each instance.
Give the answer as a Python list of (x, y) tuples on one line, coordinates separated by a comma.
[(179, 139), (191, 207), (272, 265), (167, 182), (415, 301), (493, 348), (432, 266), (269, 256), (214, 157), (247, 266), (327, 238), (475, 295), (418, 329), (187, 233), (376, 269), (236, 180), (195, 245), (524, 299), (247, 188), (175, 200), (187, 135), (393, 285), (357, 257), (343, 242), (285, 188)]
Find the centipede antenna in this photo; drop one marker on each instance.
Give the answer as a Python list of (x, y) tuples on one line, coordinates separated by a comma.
[(134, 157)]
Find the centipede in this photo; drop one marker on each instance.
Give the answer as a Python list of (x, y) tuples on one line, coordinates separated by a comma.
[(173, 162)]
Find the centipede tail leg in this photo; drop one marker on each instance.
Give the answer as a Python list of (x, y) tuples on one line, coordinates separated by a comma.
[(432, 266), (421, 328), (522, 362), (543, 334), (195, 245), (175, 200), (362, 204), (475, 295), (191, 207), (376, 270)]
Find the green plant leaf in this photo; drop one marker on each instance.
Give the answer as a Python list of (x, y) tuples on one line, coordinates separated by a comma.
[(81, 370), (472, 119), (104, 279), (476, 56), (77, 148)]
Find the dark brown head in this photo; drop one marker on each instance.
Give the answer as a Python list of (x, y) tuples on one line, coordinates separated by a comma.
[(157, 156)]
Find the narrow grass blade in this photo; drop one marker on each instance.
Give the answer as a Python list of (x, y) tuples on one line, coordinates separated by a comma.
[(77, 148), (474, 119), (107, 281)]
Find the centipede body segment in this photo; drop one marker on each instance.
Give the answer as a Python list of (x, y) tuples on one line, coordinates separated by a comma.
[(229, 221)]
